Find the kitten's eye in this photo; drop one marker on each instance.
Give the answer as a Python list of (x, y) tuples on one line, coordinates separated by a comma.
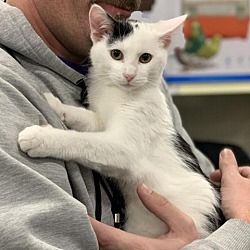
[(145, 58), (116, 54)]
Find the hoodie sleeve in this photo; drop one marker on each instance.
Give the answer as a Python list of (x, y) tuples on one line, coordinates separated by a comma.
[(234, 234), (37, 208)]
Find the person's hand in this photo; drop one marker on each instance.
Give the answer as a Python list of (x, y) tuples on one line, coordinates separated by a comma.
[(235, 187), (182, 229)]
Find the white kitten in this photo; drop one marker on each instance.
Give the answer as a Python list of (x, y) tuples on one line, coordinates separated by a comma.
[(128, 132)]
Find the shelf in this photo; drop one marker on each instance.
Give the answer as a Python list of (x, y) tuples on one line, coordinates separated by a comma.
[(210, 88)]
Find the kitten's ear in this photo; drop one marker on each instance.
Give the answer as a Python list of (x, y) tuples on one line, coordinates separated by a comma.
[(100, 23), (168, 27)]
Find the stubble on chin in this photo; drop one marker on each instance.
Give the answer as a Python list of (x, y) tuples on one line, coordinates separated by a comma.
[(131, 5)]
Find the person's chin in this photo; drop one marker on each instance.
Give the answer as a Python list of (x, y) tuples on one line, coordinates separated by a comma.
[(114, 11)]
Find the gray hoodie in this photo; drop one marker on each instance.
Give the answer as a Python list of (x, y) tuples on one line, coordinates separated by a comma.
[(44, 203)]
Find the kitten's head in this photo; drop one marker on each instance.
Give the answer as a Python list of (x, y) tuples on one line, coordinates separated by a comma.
[(129, 54)]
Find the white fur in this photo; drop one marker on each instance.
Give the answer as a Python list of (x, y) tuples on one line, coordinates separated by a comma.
[(130, 132)]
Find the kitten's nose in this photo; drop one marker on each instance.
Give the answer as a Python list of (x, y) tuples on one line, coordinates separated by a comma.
[(129, 77)]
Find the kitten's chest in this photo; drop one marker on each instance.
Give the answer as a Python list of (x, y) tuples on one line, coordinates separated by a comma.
[(107, 103)]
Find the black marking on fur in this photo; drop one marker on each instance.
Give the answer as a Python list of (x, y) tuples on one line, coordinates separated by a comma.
[(217, 218), (187, 154), (121, 30)]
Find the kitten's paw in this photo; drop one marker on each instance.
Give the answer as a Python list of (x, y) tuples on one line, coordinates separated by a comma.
[(56, 105), (32, 140)]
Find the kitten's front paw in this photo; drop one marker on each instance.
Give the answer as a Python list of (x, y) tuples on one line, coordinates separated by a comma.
[(56, 105), (32, 140)]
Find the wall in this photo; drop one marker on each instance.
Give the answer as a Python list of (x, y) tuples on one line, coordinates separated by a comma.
[(219, 118)]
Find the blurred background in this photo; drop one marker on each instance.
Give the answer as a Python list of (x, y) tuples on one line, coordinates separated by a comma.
[(208, 71)]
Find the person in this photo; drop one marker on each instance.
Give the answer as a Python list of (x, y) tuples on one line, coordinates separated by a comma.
[(44, 46), (234, 234)]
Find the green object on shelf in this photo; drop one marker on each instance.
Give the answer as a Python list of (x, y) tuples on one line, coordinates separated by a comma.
[(196, 40)]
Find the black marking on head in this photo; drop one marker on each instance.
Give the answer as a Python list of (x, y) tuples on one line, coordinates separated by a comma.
[(187, 154), (121, 30), (134, 21)]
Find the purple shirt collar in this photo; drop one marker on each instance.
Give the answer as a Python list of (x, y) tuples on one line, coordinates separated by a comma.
[(81, 68)]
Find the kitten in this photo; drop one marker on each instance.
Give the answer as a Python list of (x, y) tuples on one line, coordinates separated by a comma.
[(128, 131)]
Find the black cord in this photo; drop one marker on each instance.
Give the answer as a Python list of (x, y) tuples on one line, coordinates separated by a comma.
[(98, 196), (117, 203), (115, 196)]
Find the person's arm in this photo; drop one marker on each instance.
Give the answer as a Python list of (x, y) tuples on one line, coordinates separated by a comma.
[(37, 210), (234, 234)]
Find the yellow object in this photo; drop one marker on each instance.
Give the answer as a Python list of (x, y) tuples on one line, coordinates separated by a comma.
[(210, 48)]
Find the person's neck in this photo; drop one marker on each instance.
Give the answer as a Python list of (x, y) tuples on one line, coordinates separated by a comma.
[(30, 11)]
